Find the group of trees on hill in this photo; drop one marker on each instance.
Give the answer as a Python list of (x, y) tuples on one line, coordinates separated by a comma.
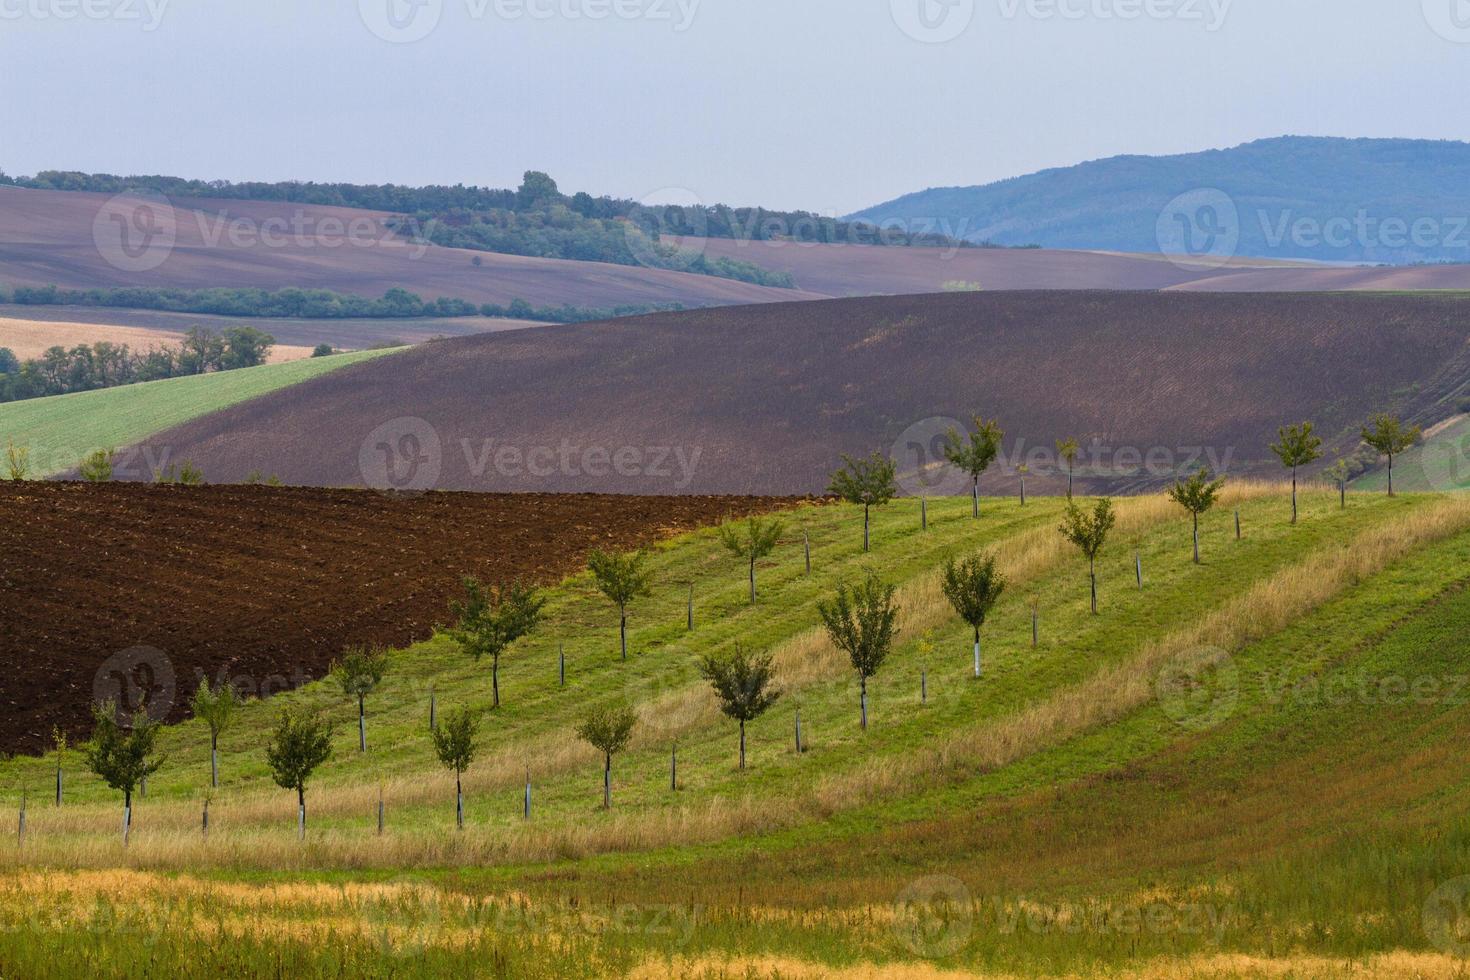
[(106, 365), (860, 620), (313, 304)]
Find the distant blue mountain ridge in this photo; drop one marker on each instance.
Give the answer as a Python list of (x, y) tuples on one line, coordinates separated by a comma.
[(1381, 201)]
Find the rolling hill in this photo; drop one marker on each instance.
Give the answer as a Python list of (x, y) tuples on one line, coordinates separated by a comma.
[(1255, 765), (1269, 186), (761, 399)]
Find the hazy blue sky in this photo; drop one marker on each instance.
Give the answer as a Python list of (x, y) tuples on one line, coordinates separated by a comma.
[(829, 105)]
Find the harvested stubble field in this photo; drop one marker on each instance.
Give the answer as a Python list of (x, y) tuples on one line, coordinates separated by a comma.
[(265, 582)]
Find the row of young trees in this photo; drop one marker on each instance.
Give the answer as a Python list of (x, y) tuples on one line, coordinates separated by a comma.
[(859, 619)]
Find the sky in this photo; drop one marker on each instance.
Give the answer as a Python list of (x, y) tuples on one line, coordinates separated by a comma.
[(822, 105)]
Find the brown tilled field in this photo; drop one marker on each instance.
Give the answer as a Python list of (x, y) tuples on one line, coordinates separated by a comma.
[(268, 583), (761, 399)]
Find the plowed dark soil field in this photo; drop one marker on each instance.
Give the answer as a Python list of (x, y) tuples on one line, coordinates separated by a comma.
[(113, 589)]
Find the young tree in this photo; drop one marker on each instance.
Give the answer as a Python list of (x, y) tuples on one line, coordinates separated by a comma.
[(358, 674), (1089, 532), (973, 453), (742, 682), (973, 587), (454, 744), (608, 729), (622, 578), (1196, 495), (870, 482), (1338, 473), (1067, 451), (216, 708), (1297, 447), (488, 621), (17, 460), (860, 620), (1389, 437), (97, 467), (751, 542), (123, 756), (300, 744)]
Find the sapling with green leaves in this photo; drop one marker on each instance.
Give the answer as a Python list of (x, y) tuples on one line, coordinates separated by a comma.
[(861, 621), (743, 683), (1389, 437), (489, 620), (1067, 452), (97, 467), (1297, 447), (622, 578), (973, 587), (750, 541), (1338, 473), (973, 452), (871, 482), (608, 729), (123, 756), (1197, 495), (358, 674), (1088, 530), (17, 460), (215, 706), (454, 744), (300, 743)]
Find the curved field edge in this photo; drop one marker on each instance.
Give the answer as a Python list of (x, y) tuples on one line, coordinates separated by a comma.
[(59, 430), (910, 746), (1273, 829)]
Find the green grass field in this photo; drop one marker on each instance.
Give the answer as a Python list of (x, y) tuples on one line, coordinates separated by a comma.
[(1440, 463), (60, 430), (1252, 766)]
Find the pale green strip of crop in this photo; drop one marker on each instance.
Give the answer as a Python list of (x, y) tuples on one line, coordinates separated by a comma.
[(58, 431)]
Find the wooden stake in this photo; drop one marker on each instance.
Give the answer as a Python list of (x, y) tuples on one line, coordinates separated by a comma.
[(562, 664), (1138, 568), (806, 545), (433, 712), (690, 623), (1237, 525), (380, 811), (526, 809), (924, 685), (924, 513), (799, 749), (674, 768)]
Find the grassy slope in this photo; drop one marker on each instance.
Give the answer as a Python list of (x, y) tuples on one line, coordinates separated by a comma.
[(1440, 463), (1279, 821), (61, 429)]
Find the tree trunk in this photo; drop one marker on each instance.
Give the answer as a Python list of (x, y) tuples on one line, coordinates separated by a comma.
[(689, 609), (1390, 474), (1342, 493), (923, 513), (213, 762), (742, 743), (977, 651), (301, 810), (495, 682), (865, 527), (458, 801), (127, 814), (975, 498), (607, 782), (1293, 495), (361, 724), (1092, 577), (1023, 489), (1069, 479), (1196, 539), (623, 630), (752, 580), (863, 700)]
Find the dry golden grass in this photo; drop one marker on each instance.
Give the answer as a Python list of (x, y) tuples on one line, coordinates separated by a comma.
[(31, 338)]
